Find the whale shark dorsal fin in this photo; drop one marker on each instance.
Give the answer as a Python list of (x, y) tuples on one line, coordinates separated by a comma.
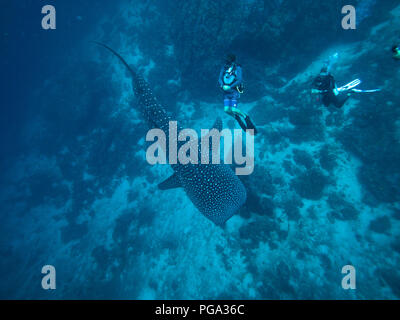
[(217, 124), (170, 183)]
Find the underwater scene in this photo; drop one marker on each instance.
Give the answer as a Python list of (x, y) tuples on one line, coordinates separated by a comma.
[(309, 208)]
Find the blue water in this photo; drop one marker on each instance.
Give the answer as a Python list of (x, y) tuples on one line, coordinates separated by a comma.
[(77, 193)]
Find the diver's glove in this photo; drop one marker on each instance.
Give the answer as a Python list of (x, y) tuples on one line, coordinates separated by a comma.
[(336, 91), (226, 88)]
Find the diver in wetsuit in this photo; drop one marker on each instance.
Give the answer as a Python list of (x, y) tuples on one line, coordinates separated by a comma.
[(396, 52), (231, 83), (325, 85)]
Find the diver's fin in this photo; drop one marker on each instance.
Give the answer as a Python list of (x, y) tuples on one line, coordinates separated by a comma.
[(365, 91), (171, 183), (217, 124), (250, 124), (241, 123), (350, 85)]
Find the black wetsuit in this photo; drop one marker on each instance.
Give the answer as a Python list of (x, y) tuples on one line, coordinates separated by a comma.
[(326, 84)]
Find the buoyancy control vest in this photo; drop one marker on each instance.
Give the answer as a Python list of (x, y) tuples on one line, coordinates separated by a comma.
[(230, 77)]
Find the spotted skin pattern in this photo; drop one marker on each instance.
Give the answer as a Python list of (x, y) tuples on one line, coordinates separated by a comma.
[(215, 190)]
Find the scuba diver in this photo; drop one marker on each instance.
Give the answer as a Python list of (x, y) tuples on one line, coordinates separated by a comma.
[(231, 83), (325, 85), (396, 52)]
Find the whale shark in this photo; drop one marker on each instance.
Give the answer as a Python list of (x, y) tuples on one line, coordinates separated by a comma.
[(214, 189)]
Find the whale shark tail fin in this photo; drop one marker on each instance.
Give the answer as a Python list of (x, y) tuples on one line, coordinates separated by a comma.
[(117, 55)]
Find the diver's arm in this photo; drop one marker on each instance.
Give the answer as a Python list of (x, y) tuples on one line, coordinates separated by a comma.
[(334, 86), (314, 87), (239, 78), (313, 90)]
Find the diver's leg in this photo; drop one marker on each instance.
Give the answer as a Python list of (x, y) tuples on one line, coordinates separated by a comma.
[(235, 109), (326, 100), (249, 124), (339, 101), (238, 112), (228, 106), (228, 110)]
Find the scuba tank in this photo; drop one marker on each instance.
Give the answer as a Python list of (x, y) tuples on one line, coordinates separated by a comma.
[(230, 78)]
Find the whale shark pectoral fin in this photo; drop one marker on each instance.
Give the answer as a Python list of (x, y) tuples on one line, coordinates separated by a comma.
[(217, 124), (170, 183)]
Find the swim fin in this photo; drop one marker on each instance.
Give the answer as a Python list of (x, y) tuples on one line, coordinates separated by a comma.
[(365, 91), (250, 124), (241, 123), (350, 85)]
